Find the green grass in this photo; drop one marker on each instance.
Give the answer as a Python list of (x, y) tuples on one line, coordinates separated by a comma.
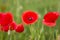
[(38, 30)]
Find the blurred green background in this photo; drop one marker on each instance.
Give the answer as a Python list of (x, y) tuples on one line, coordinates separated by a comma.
[(37, 32)]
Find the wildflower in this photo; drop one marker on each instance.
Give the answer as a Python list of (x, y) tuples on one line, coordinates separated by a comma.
[(12, 26), (29, 17), (50, 18), (1, 16), (7, 18), (19, 28), (5, 28)]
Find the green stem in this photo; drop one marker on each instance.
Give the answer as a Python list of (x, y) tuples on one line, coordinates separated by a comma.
[(1, 35), (42, 33), (51, 30), (14, 35), (9, 35), (56, 34), (31, 31)]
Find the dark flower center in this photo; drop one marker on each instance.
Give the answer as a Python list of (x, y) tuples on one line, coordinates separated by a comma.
[(30, 18)]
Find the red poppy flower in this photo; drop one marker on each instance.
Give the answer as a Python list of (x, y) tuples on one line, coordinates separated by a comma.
[(1, 16), (29, 17), (7, 19), (5, 28), (50, 18), (12, 26), (19, 28)]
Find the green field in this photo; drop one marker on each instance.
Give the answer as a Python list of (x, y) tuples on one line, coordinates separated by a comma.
[(36, 31)]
